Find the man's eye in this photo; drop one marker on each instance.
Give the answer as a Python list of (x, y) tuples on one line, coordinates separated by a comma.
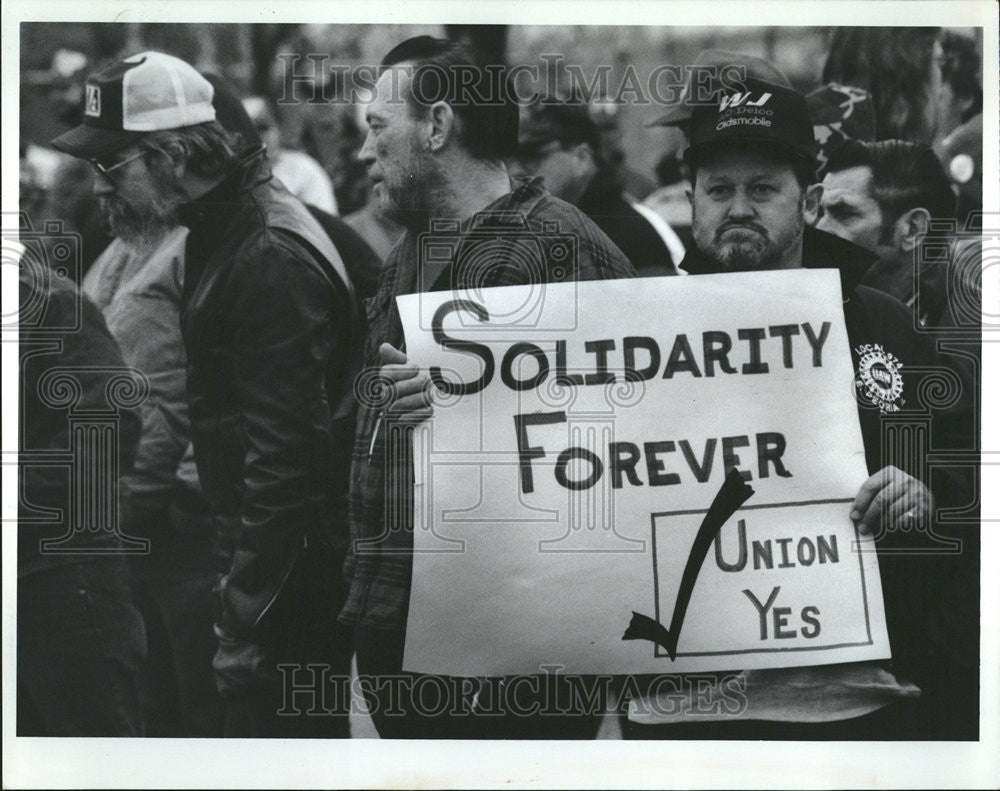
[(719, 191), (763, 190)]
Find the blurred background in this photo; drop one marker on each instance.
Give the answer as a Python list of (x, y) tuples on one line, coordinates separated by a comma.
[(56, 57)]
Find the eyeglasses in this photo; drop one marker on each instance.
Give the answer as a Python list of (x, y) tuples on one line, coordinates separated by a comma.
[(106, 170)]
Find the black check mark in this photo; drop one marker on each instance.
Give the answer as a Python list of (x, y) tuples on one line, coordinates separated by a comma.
[(733, 493)]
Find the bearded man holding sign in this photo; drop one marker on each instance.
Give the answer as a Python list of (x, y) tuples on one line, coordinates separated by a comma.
[(752, 158)]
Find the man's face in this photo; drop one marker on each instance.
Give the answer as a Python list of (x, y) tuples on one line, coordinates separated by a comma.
[(849, 210), (396, 151), (564, 170), (136, 198), (747, 211)]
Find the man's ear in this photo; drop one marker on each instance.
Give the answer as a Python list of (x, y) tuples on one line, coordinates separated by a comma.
[(442, 119), (169, 165), (911, 228), (811, 204)]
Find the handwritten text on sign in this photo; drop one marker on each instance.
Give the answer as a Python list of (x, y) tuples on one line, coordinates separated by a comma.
[(581, 433)]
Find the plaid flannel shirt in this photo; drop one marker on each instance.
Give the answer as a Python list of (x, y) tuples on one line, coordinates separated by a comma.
[(488, 250)]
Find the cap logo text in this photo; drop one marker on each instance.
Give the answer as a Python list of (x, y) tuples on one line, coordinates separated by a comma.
[(737, 99)]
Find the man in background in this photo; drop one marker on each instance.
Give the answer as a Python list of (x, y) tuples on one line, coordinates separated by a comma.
[(270, 334), (886, 197), (753, 200), (561, 143), (304, 177), (80, 640)]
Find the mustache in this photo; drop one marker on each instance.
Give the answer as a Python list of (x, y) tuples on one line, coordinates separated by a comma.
[(740, 226)]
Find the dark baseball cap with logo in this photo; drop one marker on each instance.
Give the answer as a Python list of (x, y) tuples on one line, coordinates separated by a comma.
[(143, 93), (717, 65), (762, 112)]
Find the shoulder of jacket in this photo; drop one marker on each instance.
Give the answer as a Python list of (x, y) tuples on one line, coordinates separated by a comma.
[(881, 305)]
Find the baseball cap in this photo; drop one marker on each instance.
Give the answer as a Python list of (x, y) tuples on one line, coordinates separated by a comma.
[(695, 92), (143, 93), (763, 112)]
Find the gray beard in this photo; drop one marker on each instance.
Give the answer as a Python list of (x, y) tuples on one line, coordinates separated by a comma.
[(748, 254), (139, 228)]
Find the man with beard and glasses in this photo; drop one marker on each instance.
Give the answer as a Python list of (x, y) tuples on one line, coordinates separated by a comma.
[(752, 157), (137, 283), (269, 332)]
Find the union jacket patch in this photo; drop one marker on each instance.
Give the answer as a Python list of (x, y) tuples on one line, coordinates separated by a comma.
[(879, 377)]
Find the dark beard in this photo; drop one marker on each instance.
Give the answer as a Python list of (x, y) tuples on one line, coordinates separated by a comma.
[(137, 227)]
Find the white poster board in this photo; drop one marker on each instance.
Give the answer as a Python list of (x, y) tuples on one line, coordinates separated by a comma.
[(586, 430)]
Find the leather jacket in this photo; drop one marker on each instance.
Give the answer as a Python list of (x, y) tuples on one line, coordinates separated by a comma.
[(272, 336)]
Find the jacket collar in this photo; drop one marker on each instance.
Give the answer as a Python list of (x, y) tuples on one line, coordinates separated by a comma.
[(216, 207), (508, 212), (522, 198), (820, 250)]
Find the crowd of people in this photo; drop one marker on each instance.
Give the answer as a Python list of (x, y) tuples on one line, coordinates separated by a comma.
[(274, 488)]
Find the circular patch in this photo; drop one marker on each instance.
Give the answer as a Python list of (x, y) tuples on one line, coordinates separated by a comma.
[(880, 376), (962, 168)]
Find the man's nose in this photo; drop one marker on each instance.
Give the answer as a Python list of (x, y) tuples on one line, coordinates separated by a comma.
[(741, 207), (367, 153), (102, 185)]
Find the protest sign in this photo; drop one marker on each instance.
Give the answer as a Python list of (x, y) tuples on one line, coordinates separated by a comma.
[(580, 435)]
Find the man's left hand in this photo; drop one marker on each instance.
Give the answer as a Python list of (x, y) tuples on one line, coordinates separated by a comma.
[(413, 388), (892, 500)]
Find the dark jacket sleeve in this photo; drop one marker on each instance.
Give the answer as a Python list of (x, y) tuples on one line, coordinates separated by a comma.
[(284, 339), (930, 577), (72, 343)]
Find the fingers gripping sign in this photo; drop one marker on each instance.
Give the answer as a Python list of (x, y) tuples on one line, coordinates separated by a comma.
[(413, 390), (892, 500)]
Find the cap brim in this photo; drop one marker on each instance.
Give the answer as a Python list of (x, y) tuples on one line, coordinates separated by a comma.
[(703, 149), (88, 142), (677, 115)]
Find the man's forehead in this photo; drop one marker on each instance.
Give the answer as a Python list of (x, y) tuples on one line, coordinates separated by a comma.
[(392, 84), (740, 169), (849, 184)]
